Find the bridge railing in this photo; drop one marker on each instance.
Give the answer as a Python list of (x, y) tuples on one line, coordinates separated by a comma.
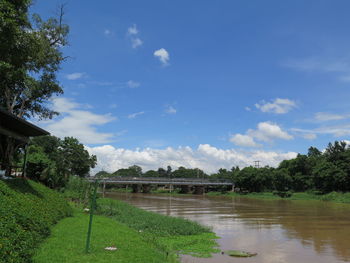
[(165, 180)]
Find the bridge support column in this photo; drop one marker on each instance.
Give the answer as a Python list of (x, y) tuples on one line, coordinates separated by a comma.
[(104, 188), (136, 188), (185, 189), (199, 190), (146, 188)]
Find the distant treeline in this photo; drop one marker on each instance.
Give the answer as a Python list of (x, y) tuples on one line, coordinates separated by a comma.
[(324, 172)]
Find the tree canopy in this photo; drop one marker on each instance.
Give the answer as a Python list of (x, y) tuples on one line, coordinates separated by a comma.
[(30, 56), (52, 160)]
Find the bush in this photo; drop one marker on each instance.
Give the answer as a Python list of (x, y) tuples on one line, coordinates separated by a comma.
[(27, 210), (283, 194)]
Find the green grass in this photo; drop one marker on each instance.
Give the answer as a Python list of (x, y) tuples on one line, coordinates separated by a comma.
[(67, 243), (139, 235), (201, 245), (332, 197), (146, 221)]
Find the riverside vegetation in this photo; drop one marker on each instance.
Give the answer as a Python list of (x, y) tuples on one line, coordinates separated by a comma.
[(29, 212), (316, 175)]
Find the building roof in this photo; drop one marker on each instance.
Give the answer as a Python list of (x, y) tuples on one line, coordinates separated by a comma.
[(19, 126)]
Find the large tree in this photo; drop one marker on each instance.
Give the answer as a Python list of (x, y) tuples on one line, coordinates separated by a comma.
[(30, 56)]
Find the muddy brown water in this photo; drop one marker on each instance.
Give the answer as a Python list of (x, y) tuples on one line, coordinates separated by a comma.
[(280, 231)]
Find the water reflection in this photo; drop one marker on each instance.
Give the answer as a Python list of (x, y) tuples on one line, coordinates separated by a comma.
[(279, 231)]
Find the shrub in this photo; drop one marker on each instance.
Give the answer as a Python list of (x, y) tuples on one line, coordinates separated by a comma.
[(27, 210), (283, 194)]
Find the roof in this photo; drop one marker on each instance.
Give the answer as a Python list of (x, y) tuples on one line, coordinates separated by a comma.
[(20, 126)]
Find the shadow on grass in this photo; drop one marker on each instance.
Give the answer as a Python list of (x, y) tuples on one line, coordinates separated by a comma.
[(23, 186)]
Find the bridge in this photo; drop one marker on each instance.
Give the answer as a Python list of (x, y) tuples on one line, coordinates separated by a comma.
[(138, 184)]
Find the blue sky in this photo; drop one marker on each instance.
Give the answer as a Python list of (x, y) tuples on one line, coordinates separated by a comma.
[(203, 83)]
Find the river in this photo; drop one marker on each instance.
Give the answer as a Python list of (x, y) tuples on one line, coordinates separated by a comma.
[(280, 231)]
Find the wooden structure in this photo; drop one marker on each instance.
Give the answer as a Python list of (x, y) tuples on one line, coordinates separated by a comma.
[(16, 132)]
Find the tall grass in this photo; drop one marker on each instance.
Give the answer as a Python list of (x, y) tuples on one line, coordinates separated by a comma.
[(146, 221)]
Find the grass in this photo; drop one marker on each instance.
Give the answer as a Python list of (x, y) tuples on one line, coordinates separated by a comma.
[(139, 235), (331, 197), (146, 221), (67, 243)]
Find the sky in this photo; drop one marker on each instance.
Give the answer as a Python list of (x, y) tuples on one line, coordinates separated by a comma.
[(208, 84)]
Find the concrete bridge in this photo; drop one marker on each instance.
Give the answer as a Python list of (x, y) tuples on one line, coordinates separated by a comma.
[(143, 184)]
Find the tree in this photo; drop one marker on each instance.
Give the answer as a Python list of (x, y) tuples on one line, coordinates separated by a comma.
[(52, 160), (30, 56), (162, 172), (75, 160), (151, 173), (168, 171)]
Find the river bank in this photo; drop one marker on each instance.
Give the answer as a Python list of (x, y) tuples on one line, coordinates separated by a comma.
[(336, 197), (140, 236)]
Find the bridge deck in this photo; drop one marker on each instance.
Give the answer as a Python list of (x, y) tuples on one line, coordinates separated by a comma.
[(164, 181)]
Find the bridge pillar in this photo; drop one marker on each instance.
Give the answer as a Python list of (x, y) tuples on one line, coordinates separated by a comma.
[(146, 188), (185, 189), (199, 190), (136, 188), (104, 188)]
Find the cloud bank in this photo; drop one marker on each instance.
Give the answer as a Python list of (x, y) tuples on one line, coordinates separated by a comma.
[(205, 157), (76, 121)]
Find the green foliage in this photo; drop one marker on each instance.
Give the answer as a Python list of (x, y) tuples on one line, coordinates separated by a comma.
[(30, 55), (27, 210), (183, 172), (253, 179), (200, 245), (77, 190), (52, 160), (145, 221)]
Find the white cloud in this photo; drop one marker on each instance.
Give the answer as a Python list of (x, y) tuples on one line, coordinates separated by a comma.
[(136, 42), (134, 115), (278, 106), (243, 140), (325, 116), (77, 122), (265, 132), (170, 110), (132, 84), (162, 55), (74, 76), (133, 30), (205, 157), (309, 136), (268, 132), (133, 35), (335, 130)]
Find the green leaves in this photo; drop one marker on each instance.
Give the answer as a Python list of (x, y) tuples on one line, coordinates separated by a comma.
[(27, 210), (30, 55)]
